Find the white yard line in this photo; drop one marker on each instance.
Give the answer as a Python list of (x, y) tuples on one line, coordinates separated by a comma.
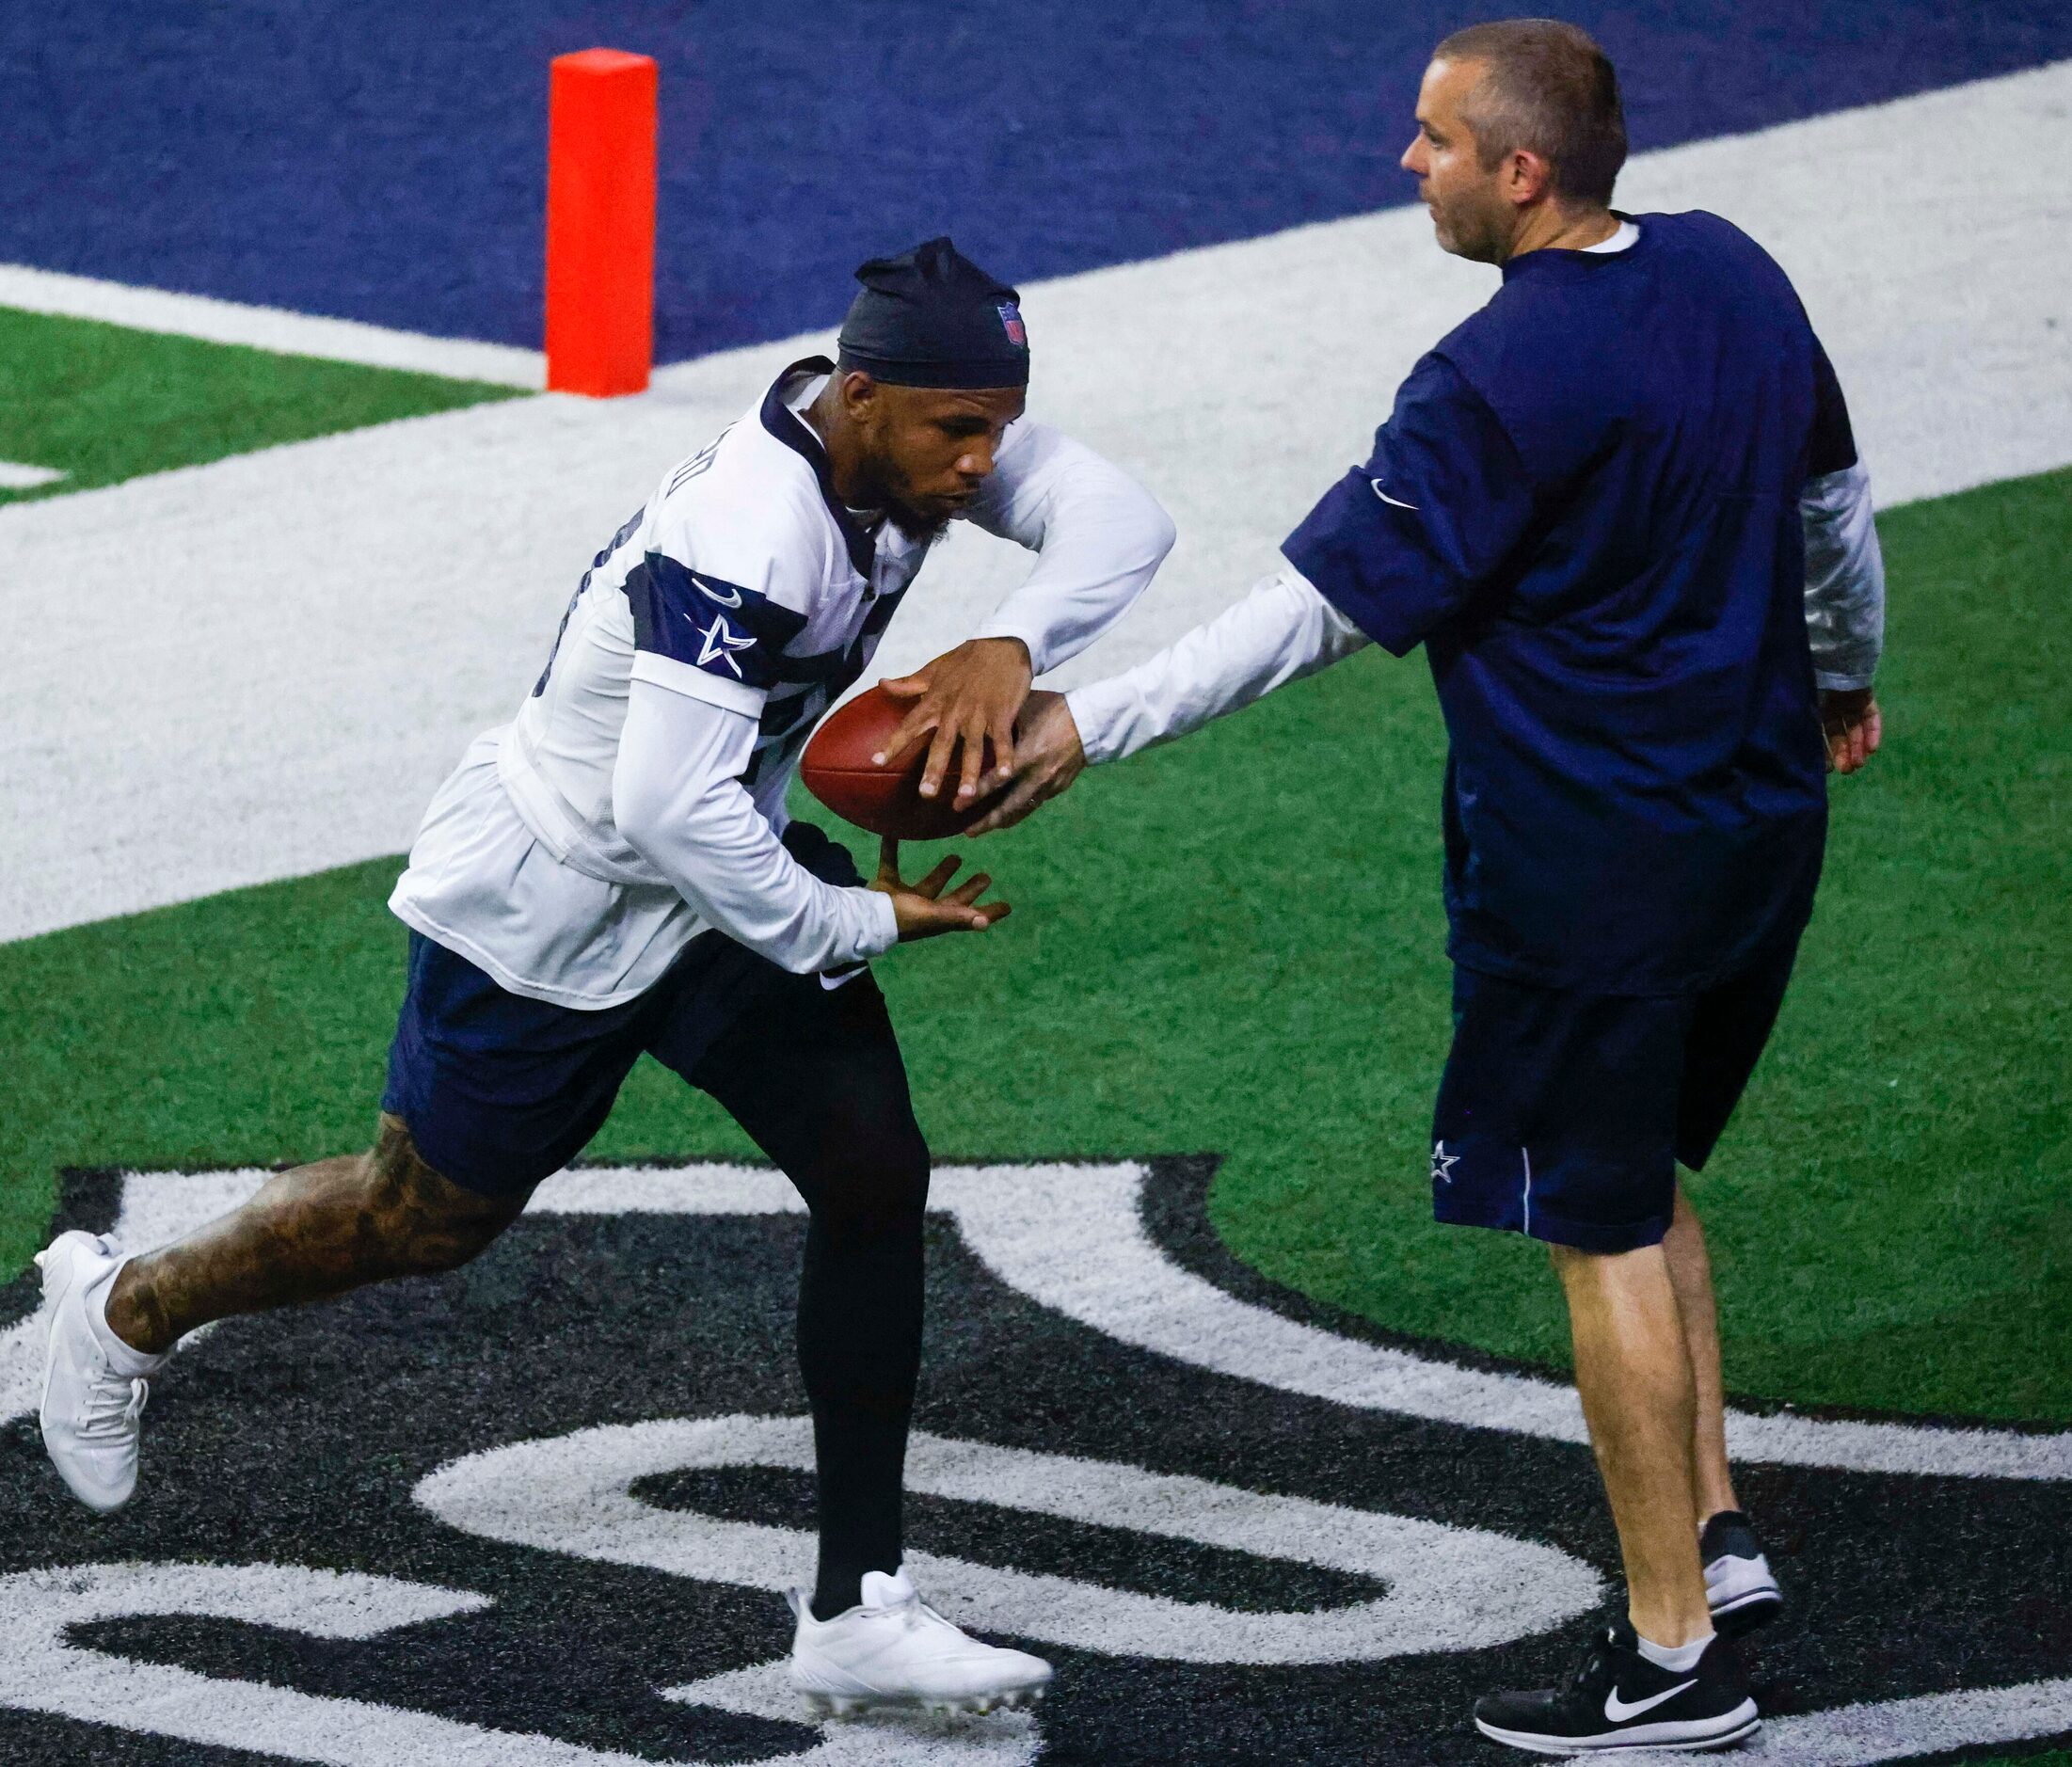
[(262, 667), (14, 476), (267, 327)]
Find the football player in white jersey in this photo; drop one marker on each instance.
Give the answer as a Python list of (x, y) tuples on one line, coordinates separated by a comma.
[(613, 873)]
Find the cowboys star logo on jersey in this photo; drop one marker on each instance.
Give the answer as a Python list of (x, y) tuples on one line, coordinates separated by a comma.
[(721, 644), (539, 1512)]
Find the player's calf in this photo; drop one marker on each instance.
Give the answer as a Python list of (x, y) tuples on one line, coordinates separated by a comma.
[(307, 1235), (310, 1232)]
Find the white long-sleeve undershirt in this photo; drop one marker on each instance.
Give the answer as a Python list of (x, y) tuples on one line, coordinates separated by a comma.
[(1286, 629), (1844, 579), (1282, 631), (678, 798), (1098, 534)]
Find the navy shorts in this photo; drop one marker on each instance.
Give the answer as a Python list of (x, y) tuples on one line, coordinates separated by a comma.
[(500, 1090), (1565, 1115)]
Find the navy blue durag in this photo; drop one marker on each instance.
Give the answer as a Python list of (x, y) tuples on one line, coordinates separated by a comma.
[(932, 318)]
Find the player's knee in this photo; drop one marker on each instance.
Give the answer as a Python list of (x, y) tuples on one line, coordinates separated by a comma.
[(878, 1183), (423, 1222)]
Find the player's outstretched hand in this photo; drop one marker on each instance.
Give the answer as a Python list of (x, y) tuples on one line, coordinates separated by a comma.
[(1854, 727), (966, 698), (923, 909), (1049, 757)]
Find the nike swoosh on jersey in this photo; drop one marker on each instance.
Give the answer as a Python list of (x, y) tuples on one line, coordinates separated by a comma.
[(732, 598), (1618, 1710), (1394, 503)]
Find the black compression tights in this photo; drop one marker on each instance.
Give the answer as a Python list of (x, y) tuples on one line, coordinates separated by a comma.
[(817, 1081)]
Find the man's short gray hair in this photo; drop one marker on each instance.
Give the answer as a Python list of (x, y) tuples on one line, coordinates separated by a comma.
[(1548, 88)]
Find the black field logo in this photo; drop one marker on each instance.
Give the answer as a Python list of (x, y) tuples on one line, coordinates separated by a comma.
[(537, 1514)]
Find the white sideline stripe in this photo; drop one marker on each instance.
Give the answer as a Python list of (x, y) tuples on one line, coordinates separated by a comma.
[(262, 667), (1072, 1239), (274, 328), (14, 476)]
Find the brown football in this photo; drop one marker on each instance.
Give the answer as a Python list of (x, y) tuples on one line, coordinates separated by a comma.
[(885, 800)]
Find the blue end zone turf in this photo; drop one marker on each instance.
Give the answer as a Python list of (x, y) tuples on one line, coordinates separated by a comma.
[(385, 161)]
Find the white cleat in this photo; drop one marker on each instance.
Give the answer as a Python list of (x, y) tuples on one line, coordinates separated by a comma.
[(892, 1650), (92, 1408)]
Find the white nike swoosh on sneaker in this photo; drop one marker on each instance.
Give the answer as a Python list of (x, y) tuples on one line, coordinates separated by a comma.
[(1394, 503), (1618, 1710)]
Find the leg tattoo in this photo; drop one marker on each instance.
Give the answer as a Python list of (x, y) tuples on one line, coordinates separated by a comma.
[(310, 1234)]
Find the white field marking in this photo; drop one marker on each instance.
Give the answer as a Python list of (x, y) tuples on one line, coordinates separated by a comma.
[(1844, 1737), (1899, 1730), (1072, 1239), (1449, 1589), (272, 329), (39, 1671), (263, 667), (14, 476)]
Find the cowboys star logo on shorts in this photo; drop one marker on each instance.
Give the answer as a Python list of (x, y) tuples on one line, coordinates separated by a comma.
[(1442, 1164)]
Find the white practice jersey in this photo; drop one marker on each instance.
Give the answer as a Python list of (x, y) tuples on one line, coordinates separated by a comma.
[(637, 798)]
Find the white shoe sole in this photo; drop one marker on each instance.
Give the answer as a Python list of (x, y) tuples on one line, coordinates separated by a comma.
[(856, 1705), (1742, 1594), (1685, 1734)]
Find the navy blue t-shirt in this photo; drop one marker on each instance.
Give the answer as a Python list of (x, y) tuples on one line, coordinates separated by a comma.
[(1585, 506)]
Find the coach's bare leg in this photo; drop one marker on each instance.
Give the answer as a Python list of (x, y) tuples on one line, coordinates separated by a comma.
[(309, 1233), (1634, 1371), (1691, 1275)]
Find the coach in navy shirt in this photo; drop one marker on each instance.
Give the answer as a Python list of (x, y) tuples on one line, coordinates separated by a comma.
[(1621, 507)]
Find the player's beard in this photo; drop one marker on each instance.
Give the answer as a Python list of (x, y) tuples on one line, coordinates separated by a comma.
[(881, 491), (916, 528)]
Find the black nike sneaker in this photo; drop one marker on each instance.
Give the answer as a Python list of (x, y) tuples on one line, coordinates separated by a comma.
[(1618, 1699), (1739, 1587)]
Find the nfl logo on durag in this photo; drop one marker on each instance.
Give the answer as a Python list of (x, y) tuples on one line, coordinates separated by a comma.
[(1017, 334)]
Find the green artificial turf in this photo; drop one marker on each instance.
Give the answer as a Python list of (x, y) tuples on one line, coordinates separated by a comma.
[(1235, 945), (102, 403)]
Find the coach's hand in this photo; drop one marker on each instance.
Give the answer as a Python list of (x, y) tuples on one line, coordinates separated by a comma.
[(965, 699), (923, 910), (1853, 725), (1049, 757)]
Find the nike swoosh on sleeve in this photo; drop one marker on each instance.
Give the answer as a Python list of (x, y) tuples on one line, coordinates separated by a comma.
[(1394, 503), (732, 598), (1618, 1710)]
